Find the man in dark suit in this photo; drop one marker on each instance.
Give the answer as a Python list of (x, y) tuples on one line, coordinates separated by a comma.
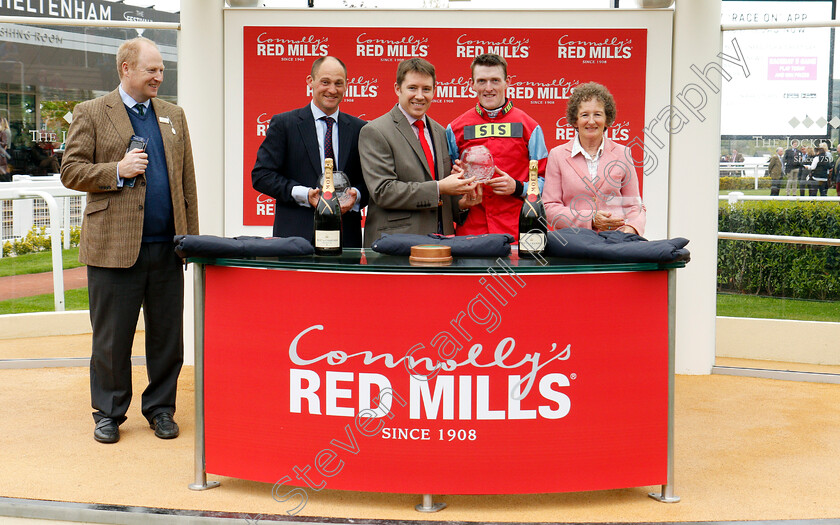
[(136, 202), (290, 160), (405, 159), (793, 162)]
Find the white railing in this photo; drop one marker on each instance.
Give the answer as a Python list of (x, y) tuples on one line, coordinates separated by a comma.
[(743, 169), (819, 241), (49, 189), (734, 196)]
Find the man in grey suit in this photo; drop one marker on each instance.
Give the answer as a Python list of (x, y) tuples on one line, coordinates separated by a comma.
[(414, 188), (136, 202)]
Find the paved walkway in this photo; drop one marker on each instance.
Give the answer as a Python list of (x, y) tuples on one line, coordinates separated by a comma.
[(15, 286)]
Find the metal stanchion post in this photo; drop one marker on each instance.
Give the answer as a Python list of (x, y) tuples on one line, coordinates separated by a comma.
[(201, 482), (429, 504), (667, 494)]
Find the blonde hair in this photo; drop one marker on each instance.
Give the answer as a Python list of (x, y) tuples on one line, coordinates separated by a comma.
[(129, 51)]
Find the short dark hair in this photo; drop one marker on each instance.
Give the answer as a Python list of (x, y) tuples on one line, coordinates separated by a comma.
[(417, 65), (317, 65), (586, 92), (489, 60)]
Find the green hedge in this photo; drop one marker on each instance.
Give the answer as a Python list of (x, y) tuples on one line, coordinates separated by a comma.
[(37, 240), (743, 183), (776, 269)]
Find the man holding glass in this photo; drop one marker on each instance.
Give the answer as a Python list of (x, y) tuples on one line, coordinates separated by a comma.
[(290, 160), (414, 188), (512, 137)]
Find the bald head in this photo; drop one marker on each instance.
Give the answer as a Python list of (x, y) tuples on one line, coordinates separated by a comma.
[(316, 66)]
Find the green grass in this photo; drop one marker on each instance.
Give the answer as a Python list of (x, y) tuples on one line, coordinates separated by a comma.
[(37, 262), (740, 305), (73, 300)]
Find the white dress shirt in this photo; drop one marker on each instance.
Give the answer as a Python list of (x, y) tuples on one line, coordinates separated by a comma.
[(591, 162), (427, 135)]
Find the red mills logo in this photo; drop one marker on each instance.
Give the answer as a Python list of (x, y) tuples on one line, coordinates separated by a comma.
[(306, 394), (596, 50), (508, 47), (405, 47), (541, 92), (308, 46)]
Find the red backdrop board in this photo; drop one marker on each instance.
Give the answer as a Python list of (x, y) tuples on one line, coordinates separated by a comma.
[(544, 65), (290, 371)]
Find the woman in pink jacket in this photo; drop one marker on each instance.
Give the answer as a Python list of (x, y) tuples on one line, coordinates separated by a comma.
[(590, 182)]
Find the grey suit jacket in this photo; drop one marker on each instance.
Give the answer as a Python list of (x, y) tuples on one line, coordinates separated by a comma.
[(403, 194), (113, 223)]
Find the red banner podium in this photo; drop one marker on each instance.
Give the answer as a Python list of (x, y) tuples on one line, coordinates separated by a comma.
[(490, 376)]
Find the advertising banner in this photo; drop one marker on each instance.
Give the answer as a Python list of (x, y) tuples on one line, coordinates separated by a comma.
[(544, 65), (441, 384), (787, 90)]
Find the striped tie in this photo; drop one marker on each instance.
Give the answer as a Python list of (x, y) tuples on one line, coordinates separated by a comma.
[(328, 140)]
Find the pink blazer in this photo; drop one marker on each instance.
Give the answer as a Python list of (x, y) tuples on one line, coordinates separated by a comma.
[(571, 197)]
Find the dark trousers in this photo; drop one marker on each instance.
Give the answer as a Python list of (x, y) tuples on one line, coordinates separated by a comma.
[(815, 186), (156, 281), (775, 184)]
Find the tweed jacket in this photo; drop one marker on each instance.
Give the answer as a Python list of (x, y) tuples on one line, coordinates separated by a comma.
[(113, 221), (774, 169), (403, 194)]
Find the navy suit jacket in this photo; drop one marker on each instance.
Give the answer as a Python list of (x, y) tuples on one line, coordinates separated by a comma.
[(289, 156)]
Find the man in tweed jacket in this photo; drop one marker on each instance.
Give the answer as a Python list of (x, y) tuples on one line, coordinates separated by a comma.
[(136, 202)]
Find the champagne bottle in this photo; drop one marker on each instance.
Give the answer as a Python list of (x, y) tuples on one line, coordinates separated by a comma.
[(532, 230), (328, 216)]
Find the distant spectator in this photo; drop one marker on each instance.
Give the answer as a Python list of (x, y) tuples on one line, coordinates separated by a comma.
[(820, 166), (805, 171), (793, 162), (737, 157), (774, 169), (836, 171), (5, 137), (42, 156)]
